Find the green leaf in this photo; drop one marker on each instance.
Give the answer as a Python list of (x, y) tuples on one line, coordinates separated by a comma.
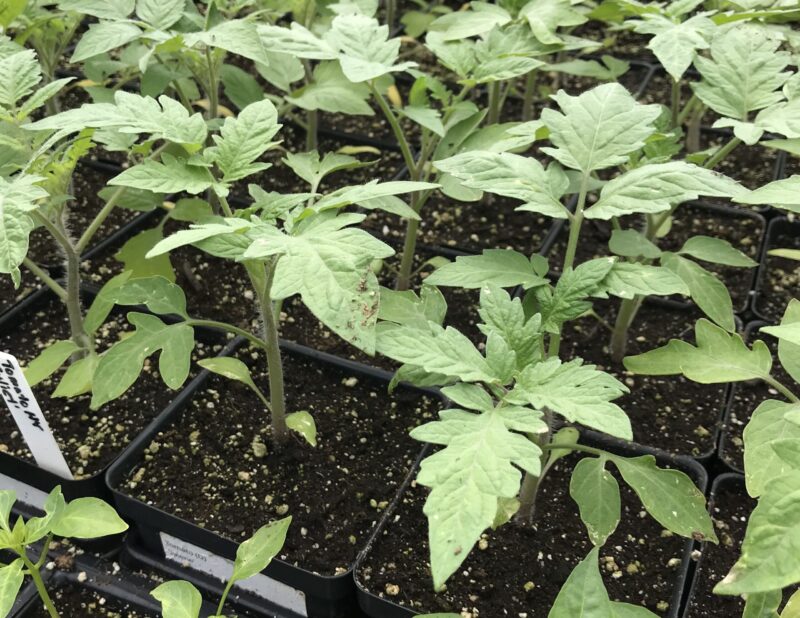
[(88, 518), (676, 44), (179, 599), (467, 478), (783, 194), (505, 317), (242, 140), (312, 169), (229, 367), (365, 49), (330, 91), (373, 190), (744, 73), (597, 493), (160, 14), (405, 307), (7, 499), (38, 527), (609, 70), (282, 71), (599, 128), (631, 279), (10, 583), (626, 610), (763, 604), (237, 36), (171, 175), (792, 607), (42, 95), (19, 75), (296, 41), (545, 17), (580, 393), (328, 262), (670, 496), (104, 36), (133, 256), (425, 117), (659, 186), (198, 233), (303, 423), (583, 595), (120, 366), (569, 299), (705, 288), (768, 559), (716, 250), (158, 294), (131, 113), (788, 352), (633, 244), (9, 11), (771, 442), (790, 333), (719, 357), (239, 86), (255, 554), (77, 379), (514, 176), (18, 197), (480, 20), (435, 349), (497, 266), (49, 361), (505, 54)]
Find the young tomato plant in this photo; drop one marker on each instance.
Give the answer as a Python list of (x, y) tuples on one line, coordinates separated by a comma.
[(84, 518), (598, 130), (289, 244), (505, 402), (180, 599)]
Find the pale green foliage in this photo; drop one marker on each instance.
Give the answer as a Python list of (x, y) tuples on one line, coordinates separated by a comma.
[(675, 43), (783, 194), (771, 441), (179, 599), (19, 196), (597, 493)]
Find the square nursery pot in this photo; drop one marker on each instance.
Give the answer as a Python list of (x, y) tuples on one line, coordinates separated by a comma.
[(92, 579), (379, 604), (31, 482), (778, 278), (164, 540)]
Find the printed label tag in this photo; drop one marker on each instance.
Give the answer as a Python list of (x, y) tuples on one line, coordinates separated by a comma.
[(203, 560), (19, 398), (25, 493)]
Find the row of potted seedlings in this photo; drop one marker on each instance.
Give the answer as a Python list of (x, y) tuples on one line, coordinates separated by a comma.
[(526, 267)]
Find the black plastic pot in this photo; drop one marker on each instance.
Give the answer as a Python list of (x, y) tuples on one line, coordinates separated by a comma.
[(778, 226), (376, 607), (31, 482), (727, 480), (295, 592)]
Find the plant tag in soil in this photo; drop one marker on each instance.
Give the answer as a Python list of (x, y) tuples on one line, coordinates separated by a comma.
[(22, 404), (25, 493), (220, 568)]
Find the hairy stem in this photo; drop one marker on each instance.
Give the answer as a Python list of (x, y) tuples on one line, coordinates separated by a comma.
[(783, 390), (224, 597), (213, 86), (397, 130), (228, 328), (693, 131), (36, 576), (403, 281), (45, 278), (391, 12), (675, 103), (277, 397), (722, 153), (530, 93), (495, 100), (619, 337)]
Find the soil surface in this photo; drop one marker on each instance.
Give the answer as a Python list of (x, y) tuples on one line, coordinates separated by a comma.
[(89, 439), (744, 231), (666, 412), (78, 601), (780, 281), (522, 567), (730, 509), (9, 295), (219, 468)]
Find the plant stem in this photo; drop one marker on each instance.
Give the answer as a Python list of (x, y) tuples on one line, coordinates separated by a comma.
[(224, 596), (619, 338), (391, 10), (229, 328), (693, 131), (494, 103), (408, 158), (274, 362), (36, 576), (530, 92), (783, 390), (90, 231), (722, 153), (213, 86), (687, 109), (675, 102), (573, 447), (45, 278), (403, 280), (73, 290)]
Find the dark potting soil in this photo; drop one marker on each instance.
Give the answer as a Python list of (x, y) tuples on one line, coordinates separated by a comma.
[(9, 295), (89, 439), (77, 601), (299, 324), (218, 468), (781, 279), (618, 43), (518, 569), (730, 508), (492, 223), (666, 412), (753, 166), (81, 211), (742, 231), (745, 398)]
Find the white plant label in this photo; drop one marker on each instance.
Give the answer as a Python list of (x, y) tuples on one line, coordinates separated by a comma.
[(25, 493), (220, 568), (20, 400)]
